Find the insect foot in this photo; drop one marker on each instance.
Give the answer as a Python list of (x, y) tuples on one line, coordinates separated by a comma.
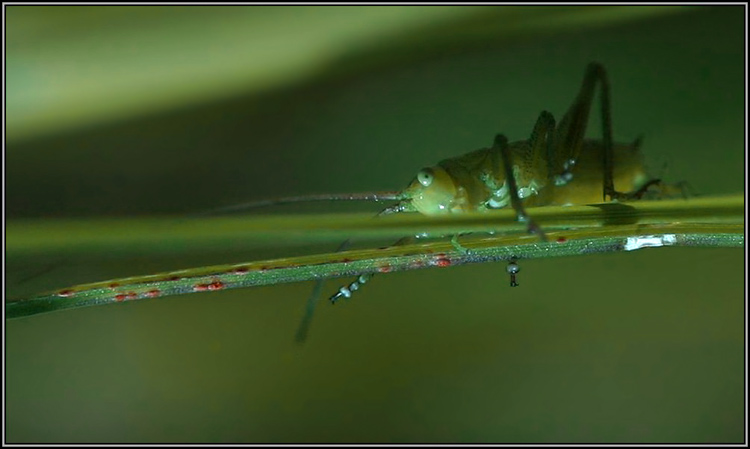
[(346, 291), (458, 246), (513, 269), (638, 194)]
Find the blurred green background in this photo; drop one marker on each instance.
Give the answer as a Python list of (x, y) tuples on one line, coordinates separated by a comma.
[(143, 111)]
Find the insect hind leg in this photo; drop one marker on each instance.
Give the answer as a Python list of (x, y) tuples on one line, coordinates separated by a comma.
[(595, 73), (570, 133), (662, 190)]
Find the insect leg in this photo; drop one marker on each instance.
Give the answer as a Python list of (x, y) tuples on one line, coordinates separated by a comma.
[(572, 128), (512, 270), (304, 326), (501, 145), (569, 135), (459, 247), (541, 144), (346, 291)]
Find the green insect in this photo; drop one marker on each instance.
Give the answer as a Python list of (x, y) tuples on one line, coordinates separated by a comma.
[(556, 165)]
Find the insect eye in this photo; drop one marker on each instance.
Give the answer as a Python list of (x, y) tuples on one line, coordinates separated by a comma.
[(425, 177)]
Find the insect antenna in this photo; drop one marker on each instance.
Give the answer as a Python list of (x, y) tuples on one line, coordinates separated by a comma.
[(362, 196), (304, 326)]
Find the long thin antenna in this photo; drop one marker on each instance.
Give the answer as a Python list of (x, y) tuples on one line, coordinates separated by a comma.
[(366, 196)]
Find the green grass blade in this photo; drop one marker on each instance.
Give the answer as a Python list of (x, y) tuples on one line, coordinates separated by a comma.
[(579, 230)]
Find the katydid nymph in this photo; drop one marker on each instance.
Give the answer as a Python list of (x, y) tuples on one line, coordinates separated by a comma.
[(556, 165)]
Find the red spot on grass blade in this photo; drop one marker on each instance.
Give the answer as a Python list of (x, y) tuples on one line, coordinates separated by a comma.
[(216, 285), (385, 269), (442, 261), (200, 287)]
